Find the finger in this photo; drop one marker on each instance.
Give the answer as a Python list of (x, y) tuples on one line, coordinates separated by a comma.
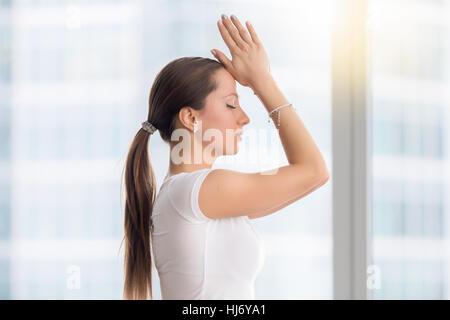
[(234, 33), (223, 59), (253, 33), (227, 37), (244, 34)]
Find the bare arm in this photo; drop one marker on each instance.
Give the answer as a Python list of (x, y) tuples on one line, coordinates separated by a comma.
[(285, 204), (297, 142)]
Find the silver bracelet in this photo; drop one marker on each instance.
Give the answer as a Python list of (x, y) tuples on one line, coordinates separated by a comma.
[(277, 109)]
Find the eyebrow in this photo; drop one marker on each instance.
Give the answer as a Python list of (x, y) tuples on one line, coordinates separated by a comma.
[(232, 94)]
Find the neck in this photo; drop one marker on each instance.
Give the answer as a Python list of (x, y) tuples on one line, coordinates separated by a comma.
[(189, 165)]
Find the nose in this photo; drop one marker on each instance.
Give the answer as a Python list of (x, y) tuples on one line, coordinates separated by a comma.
[(244, 119)]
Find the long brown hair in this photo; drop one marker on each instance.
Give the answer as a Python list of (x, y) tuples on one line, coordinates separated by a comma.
[(182, 82)]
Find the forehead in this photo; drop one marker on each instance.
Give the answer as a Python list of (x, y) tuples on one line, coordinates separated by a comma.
[(226, 82)]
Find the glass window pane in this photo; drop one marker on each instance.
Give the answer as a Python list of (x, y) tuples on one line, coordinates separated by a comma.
[(67, 92), (410, 65)]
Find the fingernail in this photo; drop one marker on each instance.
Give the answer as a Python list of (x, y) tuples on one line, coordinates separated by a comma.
[(213, 52), (224, 17), (233, 17)]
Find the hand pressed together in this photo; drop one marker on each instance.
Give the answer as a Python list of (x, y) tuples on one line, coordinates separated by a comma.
[(249, 58)]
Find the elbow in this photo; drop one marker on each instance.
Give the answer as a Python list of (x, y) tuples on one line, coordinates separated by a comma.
[(322, 173), (326, 177)]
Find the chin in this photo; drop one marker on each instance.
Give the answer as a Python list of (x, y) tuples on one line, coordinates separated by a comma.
[(231, 152)]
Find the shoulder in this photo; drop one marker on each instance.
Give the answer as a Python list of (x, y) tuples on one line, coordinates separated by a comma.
[(183, 192), (185, 180)]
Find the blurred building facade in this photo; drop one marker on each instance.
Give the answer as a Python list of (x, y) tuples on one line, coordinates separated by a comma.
[(67, 98), (410, 85)]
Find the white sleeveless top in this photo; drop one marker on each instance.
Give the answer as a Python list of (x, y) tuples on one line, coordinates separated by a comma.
[(197, 257)]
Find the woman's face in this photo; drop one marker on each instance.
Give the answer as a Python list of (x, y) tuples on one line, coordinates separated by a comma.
[(223, 113), (217, 123), (222, 117)]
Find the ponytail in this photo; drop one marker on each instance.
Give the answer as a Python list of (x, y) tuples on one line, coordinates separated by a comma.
[(140, 192)]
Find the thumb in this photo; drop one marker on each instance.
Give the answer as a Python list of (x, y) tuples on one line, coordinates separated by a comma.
[(222, 58)]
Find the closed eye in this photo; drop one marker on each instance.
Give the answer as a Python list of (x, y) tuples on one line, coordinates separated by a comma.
[(230, 106)]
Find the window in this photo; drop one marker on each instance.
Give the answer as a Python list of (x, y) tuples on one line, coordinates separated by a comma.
[(409, 61)]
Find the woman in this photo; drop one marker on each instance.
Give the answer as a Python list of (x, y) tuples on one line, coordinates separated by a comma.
[(203, 244)]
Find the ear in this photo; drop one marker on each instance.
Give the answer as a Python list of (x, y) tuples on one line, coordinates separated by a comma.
[(187, 117)]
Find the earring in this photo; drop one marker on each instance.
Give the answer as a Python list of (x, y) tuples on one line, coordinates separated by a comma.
[(195, 126)]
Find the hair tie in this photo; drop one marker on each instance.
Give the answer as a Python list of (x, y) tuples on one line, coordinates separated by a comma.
[(147, 126)]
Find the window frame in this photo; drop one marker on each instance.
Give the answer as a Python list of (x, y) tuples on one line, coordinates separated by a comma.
[(351, 143)]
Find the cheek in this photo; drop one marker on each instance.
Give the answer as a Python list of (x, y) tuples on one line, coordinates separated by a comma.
[(222, 120)]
